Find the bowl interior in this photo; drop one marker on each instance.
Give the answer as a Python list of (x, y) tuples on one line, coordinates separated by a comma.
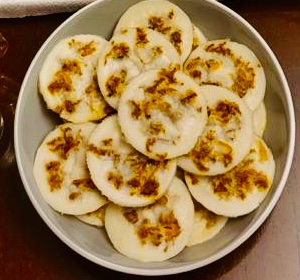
[(33, 121)]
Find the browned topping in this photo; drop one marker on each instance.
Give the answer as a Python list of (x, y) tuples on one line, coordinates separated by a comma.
[(107, 142), (212, 64), (175, 39), (87, 49), (118, 51), (162, 86), (62, 79), (146, 188), (171, 14), (161, 157), (74, 195), (84, 49), (240, 181), (211, 83), (62, 145), (158, 24), (55, 176), (142, 109), (72, 67), (155, 96), (150, 187), (189, 97), (69, 106), (100, 151), (136, 111), (143, 172), (142, 179), (141, 37), (244, 78), (116, 83), (191, 68), (150, 142), (196, 74), (208, 149), (166, 230), (156, 128), (115, 179), (192, 63), (150, 234), (219, 48), (225, 111), (131, 215), (162, 201), (93, 87), (194, 179), (156, 51), (170, 225), (85, 184), (62, 82), (168, 74), (134, 183)]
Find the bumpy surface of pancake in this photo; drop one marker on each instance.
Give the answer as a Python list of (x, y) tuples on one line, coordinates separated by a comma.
[(227, 137), (127, 55), (156, 232), (239, 191), (68, 79), (61, 172), (164, 17), (231, 65), (162, 113), (125, 176)]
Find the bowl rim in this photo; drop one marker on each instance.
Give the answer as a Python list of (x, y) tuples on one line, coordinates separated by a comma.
[(242, 237)]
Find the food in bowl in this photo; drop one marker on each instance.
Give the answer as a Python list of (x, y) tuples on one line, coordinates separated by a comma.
[(177, 106), (221, 234)]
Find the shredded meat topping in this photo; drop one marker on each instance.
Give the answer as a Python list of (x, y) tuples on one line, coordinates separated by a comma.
[(158, 24), (240, 181), (84, 49), (141, 37), (244, 78), (219, 48), (131, 215), (54, 175), (74, 195), (208, 150), (176, 40), (224, 111), (118, 51), (64, 144), (165, 230), (116, 83), (84, 184)]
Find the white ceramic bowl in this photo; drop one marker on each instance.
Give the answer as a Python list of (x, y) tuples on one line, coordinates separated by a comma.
[(33, 122)]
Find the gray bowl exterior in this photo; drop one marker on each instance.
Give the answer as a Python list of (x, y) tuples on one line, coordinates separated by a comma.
[(33, 121)]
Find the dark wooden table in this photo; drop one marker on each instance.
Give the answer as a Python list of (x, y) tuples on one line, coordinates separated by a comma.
[(29, 249)]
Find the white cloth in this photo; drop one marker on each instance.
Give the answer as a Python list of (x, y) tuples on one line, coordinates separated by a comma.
[(23, 8)]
